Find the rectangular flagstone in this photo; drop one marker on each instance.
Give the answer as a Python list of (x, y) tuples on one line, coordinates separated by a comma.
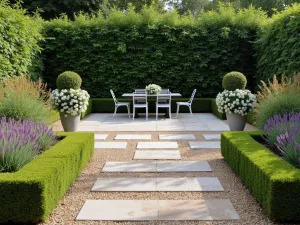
[(157, 154), (176, 137), (110, 145), (185, 166), (101, 136), (160, 145), (125, 184), (129, 167), (133, 137), (212, 136), (203, 145), (152, 210)]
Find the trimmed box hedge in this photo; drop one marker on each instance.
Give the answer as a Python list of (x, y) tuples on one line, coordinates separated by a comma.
[(272, 181), (30, 194)]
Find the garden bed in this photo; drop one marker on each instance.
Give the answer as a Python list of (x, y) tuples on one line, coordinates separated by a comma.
[(34, 191), (272, 181)]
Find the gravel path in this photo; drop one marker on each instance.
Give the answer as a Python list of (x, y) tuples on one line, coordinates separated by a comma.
[(246, 206)]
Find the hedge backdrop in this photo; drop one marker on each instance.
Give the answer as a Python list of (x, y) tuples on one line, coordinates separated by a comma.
[(129, 50)]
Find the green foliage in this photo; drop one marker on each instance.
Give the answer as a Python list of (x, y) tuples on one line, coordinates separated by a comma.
[(130, 50), (34, 191), (271, 180), (278, 48), (19, 39), (234, 80), (68, 80), (279, 104)]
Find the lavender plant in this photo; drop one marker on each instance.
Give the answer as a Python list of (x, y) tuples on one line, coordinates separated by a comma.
[(21, 142)]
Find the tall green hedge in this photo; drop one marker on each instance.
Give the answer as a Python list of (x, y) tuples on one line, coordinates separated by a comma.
[(278, 48), (19, 39), (130, 50)]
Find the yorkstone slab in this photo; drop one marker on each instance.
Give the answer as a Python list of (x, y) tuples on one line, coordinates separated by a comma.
[(157, 154), (160, 145), (203, 145), (129, 167), (110, 145), (101, 136), (152, 210), (133, 137), (212, 136), (176, 137)]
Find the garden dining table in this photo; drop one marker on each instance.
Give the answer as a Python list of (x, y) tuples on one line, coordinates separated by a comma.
[(130, 95)]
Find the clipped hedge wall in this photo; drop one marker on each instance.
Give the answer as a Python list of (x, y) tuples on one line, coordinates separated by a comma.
[(272, 181), (31, 193), (128, 51)]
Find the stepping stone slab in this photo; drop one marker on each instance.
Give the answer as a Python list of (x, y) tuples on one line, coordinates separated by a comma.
[(195, 145), (133, 137), (101, 136), (212, 136), (151, 210), (110, 145), (158, 184), (176, 137), (157, 154), (186, 166), (160, 145)]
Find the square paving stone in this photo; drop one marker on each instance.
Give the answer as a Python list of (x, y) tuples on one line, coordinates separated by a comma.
[(101, 136), (125, 184), (129, 167), (119, 210), (157, 154), (189, 184), (203, 145), (133, 137), (186, 166), (160, 145), (219, 209), (110, 145), (212, 136), (176, 137)]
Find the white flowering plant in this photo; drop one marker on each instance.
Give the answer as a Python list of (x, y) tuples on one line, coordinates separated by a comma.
[(238, 101), (153, 89), (70, 101)]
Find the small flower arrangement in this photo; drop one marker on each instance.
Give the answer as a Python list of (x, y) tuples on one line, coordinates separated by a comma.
[(237, 101), (70, 101), (153, 89)]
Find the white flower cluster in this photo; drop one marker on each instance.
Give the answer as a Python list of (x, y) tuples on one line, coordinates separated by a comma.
[(238, 101), (70, 101), (153, 89)]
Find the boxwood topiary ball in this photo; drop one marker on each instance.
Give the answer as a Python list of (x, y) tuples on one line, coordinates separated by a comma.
[(234, 80), (68, 80)]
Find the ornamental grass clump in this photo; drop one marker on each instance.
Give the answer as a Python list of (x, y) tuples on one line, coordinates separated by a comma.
[(21, 142)]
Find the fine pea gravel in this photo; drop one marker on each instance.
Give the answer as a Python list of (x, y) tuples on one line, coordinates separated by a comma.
[(245, 205)]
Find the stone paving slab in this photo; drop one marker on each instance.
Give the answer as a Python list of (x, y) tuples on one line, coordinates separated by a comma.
[(185, 166), (160, 145), (212, 136), (110, 145), (152, 210), (176, 137), (205, 145), (157, 154), (133, 137), (101, 136), (158, 184)]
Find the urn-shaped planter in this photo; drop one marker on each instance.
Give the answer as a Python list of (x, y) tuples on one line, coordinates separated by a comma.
[(236, 121), (70, 123)]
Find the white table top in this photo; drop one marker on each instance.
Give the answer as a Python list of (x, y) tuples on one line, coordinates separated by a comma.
[(154, 95)]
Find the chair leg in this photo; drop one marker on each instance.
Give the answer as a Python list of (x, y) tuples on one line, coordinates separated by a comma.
[(170, 112), (190, 107), (133, 113), (128, 109), (116, 107), (156, 112), (147, 112), (177, 110)]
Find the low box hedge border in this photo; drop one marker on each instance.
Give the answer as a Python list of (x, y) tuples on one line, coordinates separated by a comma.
[(30, 194), (272, 181)]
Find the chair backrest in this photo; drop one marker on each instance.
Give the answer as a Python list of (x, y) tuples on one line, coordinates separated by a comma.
[(164, 98), (165, 91), (139, 98), (113, 95), (140, 91), (193, 95)]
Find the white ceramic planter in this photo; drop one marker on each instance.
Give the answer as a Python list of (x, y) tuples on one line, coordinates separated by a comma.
[(236, 122), (70, 123)]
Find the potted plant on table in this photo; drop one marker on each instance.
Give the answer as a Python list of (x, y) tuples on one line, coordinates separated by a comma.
[(153, 89), (69, 100), (235, 101)]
